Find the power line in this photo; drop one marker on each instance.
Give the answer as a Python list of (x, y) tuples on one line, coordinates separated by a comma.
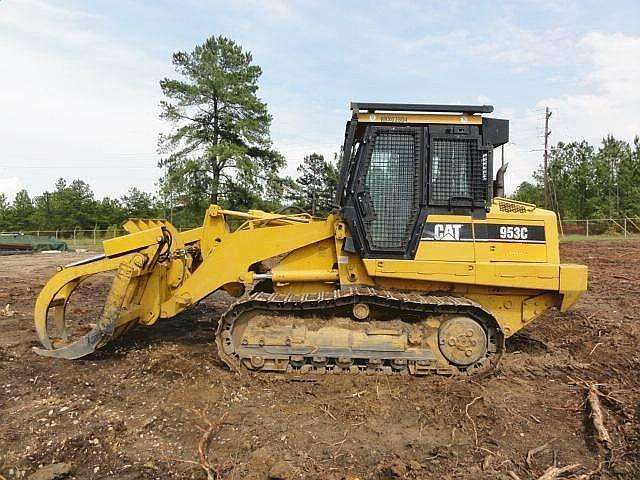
[(85, 167)]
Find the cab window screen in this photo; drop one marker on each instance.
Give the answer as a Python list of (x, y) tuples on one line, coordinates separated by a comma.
[(458, 172), (392, 182)]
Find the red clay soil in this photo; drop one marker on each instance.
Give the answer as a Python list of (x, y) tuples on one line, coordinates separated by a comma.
[(142, 407)]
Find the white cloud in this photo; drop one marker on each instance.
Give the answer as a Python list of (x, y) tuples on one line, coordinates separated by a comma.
[(76, 102), (612, 96), (10, 186), (503, 43), (304, 126), (604, 100)]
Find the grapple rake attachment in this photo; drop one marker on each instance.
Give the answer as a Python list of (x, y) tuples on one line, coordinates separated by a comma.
[(117, 316), (136, 259)]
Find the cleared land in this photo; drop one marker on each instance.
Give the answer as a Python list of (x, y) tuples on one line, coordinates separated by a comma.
[(139, 409)]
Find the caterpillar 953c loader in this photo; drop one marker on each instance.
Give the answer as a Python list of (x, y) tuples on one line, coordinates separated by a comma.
[(422, 268)]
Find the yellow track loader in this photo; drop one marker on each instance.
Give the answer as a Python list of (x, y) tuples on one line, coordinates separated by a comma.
[(422, 268)]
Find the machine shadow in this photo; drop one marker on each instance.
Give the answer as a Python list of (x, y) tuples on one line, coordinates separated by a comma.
[(194, 327)]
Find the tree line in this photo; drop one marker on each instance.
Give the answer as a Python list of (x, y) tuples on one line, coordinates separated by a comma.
[(73, 204), (588, 182)]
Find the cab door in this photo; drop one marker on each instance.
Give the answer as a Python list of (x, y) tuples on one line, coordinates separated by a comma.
[(389, 190)]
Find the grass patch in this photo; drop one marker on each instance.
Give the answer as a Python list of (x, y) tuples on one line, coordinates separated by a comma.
[(598, 238)]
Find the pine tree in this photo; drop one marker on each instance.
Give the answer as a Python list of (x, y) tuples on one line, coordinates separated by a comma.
[(139, 204), (219, 148), (4, 212), (629, 180), (315, 187), (607, 164), (22, 211)]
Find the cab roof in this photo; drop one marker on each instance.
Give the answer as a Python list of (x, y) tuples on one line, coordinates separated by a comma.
[(357, 107)]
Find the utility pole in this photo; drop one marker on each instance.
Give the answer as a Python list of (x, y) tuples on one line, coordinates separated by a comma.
[(547, 132)]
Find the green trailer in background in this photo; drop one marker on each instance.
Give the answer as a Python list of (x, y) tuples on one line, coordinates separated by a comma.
[(15, 243)]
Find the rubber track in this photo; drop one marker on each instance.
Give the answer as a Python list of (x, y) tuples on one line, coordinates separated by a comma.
[(414, 303)]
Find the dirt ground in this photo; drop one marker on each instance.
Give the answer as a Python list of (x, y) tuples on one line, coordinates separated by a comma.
[(139, 409)]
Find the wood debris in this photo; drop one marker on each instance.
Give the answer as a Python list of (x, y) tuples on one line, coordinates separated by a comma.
[(597, 417), (473, 424), (203, 444), (534, 451), (554, 472)]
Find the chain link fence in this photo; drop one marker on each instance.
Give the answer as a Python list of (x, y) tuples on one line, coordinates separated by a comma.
[(77, 238), (600, 227), (625, 227)]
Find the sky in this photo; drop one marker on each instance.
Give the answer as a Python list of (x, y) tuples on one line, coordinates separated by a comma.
[(79, 81)]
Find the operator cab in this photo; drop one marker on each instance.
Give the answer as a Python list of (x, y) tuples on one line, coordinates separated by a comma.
[(402, 162)]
